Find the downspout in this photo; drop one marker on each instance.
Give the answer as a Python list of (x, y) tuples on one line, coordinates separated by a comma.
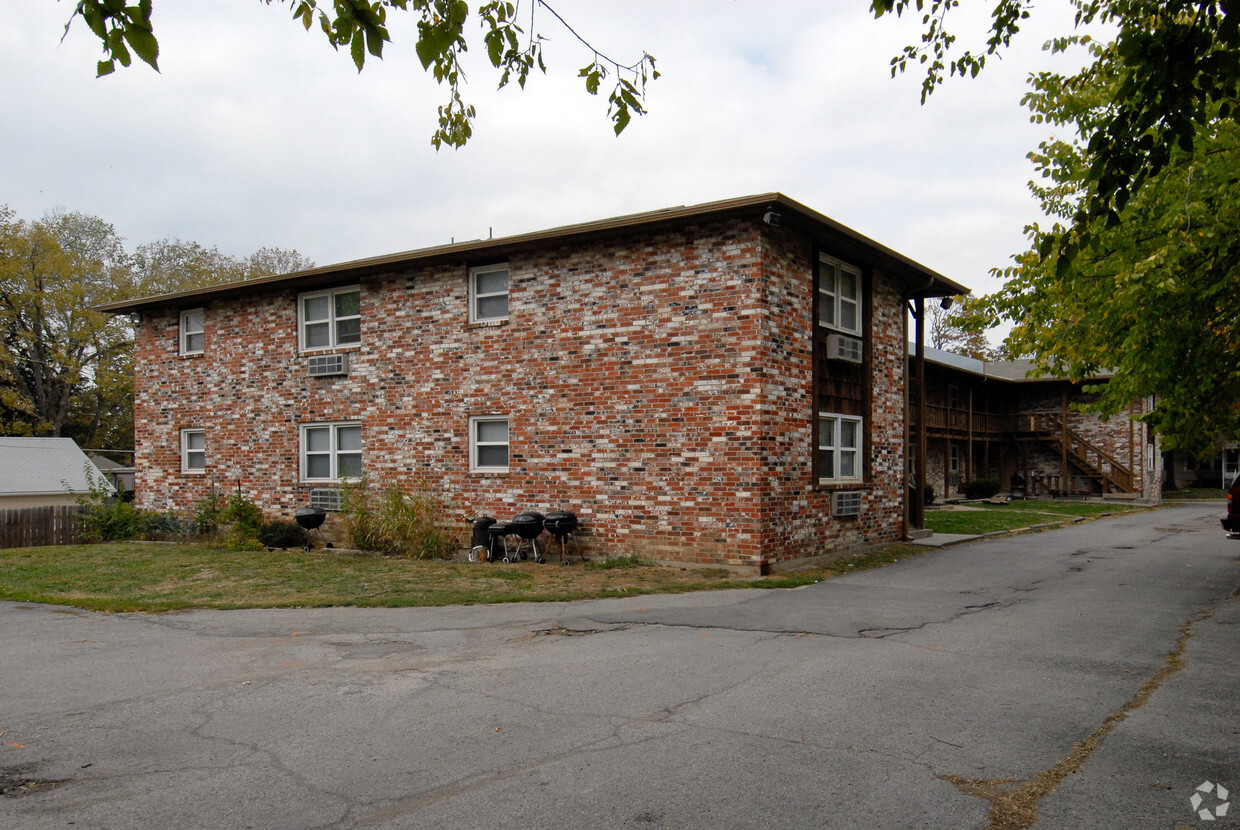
[(917, 501)]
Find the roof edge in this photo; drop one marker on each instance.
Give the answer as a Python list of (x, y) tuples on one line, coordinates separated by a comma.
[(937, 285)]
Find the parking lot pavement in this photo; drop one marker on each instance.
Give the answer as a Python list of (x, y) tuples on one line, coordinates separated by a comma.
[(902, 697)]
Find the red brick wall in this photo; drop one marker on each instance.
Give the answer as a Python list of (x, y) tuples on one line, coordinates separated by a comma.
[(659, 387)]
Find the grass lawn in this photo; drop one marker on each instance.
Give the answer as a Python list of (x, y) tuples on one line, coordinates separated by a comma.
[(137, 576), (988, 518)]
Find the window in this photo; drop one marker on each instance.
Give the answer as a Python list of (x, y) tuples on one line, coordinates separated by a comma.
[(839, 295), (954, 399), (488, 293), (488, 443), (839, 448), (331, 452), (953, 462), (330, 318), (193, 327), (193, 451)]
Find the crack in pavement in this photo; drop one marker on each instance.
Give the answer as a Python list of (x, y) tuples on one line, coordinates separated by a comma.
[(1014, 803)]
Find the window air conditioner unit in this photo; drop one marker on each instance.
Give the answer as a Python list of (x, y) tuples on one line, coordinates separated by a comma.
[(846, 503), (840, 347), (327, 498), (326, 365)]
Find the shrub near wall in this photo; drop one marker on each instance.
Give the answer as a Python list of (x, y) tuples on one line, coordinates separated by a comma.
[(981, 488)]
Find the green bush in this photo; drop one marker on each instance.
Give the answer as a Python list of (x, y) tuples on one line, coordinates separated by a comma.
[(981, 488), (928, 494), (282, 534), (164, 527), (105, 518), (396, 523), (207, 513)]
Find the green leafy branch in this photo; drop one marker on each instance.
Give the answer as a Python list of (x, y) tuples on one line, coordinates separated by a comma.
[(120, 28), (361, 28)]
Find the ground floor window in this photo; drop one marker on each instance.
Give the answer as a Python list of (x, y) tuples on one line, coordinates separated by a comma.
[(839, 448), (331, 452), (488, 443), (193, 450)]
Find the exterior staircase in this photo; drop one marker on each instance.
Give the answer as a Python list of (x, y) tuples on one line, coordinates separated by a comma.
[(1096, 470)]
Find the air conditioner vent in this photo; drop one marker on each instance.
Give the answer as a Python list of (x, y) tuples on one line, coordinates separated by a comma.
[(840, 347), (326, 365), (327, 498), (846, 503)]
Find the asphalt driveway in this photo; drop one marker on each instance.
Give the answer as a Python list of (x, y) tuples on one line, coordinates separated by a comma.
[(1087, 677)]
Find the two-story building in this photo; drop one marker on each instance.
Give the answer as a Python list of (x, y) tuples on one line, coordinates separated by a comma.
[(722, 383), (992, 419)]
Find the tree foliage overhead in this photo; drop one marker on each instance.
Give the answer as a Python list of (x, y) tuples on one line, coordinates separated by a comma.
[(1153, 298), (360, 27), (66, 369), (1178, 66), (1137, 271)]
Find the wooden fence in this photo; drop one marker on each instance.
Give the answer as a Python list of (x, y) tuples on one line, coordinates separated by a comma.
[(29, 527)]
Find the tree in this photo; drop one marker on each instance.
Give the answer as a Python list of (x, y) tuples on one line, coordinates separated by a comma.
[(168, 265), (960, 328), (1178, 67), (1152, 298), (66, 369), (51, 273), (1137, 271), (360, 26)]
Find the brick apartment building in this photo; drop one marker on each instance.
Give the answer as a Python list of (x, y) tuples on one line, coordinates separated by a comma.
[(988, 419), (722, 383)]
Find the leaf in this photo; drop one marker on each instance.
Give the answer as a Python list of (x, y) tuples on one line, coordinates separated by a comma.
[(358, 48), (144, 44)]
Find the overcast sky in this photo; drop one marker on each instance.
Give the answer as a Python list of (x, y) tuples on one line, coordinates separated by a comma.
[(255, 133)]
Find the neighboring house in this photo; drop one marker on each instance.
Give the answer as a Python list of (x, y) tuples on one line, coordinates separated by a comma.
[(1217, 471), (988, 419), (120, 476), (721, 383), (39, 472)]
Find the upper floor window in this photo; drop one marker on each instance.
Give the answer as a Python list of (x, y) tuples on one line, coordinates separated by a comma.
[(839, 295), (954, 399), (330, 318), (331, 452), (488, 443), (193, 451), (488, 293), (839, 448), (193, 331)]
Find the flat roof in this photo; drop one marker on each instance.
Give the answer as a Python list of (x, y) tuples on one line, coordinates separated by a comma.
[(923, 281)]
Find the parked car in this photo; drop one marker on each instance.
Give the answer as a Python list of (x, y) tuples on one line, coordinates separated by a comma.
[(1232, 523)]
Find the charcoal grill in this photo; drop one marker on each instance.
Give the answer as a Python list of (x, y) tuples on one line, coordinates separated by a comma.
[(497, 534), (528, 527), (310, 518), (561, 525), (480, 540)]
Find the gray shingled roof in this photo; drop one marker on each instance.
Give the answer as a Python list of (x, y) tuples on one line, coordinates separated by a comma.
[(43, 466)]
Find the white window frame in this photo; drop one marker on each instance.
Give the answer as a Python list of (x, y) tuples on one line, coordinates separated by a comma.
[(830, 435), (185, 332), (830, 296), (953, 458), (475, 296), (333, 451), (188, 452), (475, 442), (332, 320)]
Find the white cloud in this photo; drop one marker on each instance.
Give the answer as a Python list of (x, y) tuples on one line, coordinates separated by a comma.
[(255, 133)]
